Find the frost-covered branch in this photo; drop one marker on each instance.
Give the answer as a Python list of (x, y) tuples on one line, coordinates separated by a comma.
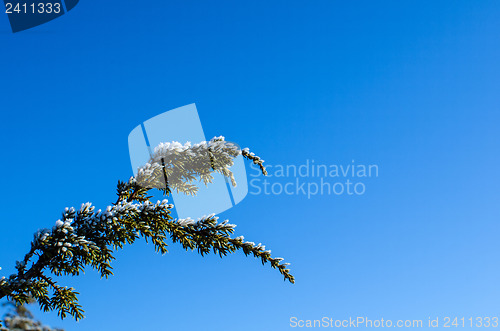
[(20, 318), (89, 237), (176, 166)]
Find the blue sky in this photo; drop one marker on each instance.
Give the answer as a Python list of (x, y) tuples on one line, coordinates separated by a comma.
[(410, 87)]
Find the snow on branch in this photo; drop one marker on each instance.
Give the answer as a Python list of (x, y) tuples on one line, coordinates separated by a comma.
[(89, 237)]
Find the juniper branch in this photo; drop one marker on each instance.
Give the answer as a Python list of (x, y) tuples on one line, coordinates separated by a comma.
[(87, 237)]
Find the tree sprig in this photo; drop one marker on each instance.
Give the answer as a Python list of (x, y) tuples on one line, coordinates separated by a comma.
[(89, 237)]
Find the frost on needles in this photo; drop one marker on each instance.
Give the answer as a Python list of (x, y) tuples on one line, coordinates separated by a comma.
[(88, 237)]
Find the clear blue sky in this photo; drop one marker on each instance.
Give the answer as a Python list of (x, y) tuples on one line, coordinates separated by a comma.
[(411, 87)]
